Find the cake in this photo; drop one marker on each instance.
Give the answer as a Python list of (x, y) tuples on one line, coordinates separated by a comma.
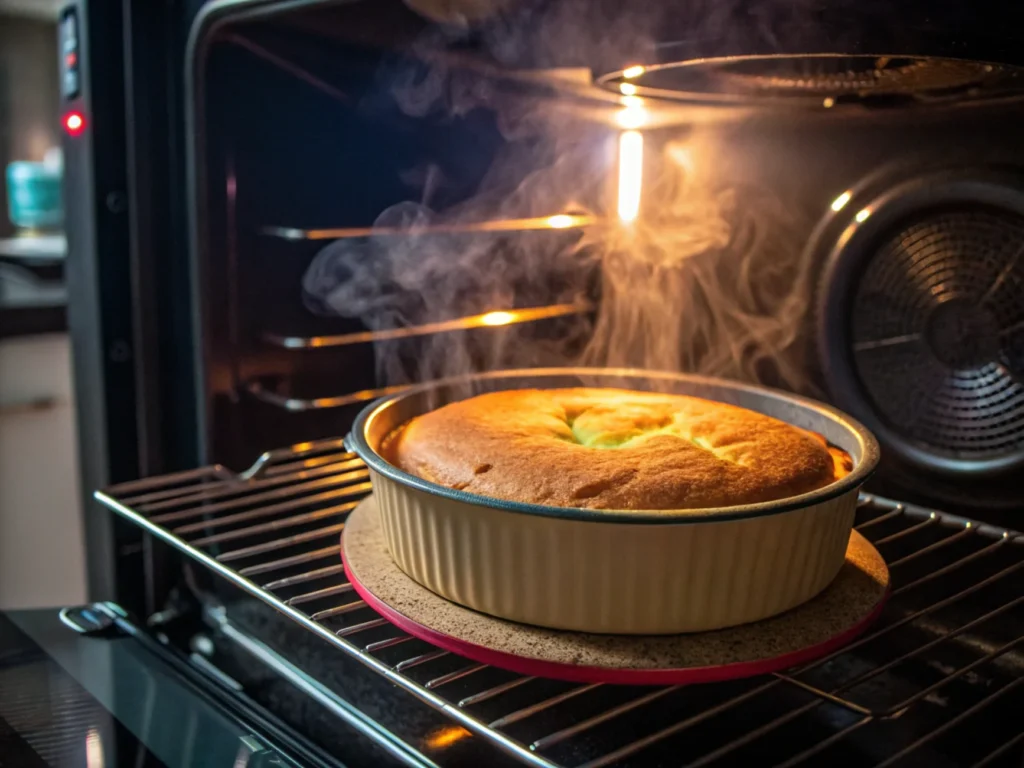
[(613, 449)]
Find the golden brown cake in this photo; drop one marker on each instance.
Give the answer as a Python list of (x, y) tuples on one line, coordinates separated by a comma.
[(613, 449)]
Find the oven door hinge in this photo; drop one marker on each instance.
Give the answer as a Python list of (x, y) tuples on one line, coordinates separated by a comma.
[(253, 754), (95, 618)]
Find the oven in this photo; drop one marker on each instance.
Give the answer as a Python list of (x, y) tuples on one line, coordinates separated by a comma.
[(279, 211)]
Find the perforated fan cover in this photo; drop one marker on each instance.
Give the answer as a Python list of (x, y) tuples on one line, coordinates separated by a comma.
[(938, 332)]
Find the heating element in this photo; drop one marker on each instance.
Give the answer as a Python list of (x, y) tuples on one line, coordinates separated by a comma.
[(938, 681), (820, 79)]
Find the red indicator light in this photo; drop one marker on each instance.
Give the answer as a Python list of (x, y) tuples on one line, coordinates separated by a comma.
[(71, 59), (74, 123)]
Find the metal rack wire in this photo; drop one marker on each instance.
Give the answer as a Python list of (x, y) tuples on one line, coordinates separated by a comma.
[(262, 392), (944, 657), (498, 318)]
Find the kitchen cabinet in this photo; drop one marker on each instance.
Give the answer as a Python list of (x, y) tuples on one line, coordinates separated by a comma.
[(42, 561)]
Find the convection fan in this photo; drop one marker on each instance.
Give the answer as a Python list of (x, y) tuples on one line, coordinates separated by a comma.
[(922, 312)]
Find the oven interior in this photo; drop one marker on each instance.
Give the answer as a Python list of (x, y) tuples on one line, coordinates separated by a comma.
[(305, 138), (473, 176), (380, 199)]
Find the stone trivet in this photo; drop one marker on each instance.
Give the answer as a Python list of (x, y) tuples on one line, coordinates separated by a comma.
[(841, 612)]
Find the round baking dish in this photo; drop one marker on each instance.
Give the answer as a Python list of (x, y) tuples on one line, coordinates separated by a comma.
[(625, 572)]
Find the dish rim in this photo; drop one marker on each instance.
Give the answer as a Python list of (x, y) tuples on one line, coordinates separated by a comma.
[(357, 442)]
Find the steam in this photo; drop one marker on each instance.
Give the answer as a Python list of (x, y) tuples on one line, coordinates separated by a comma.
[(410, 280), (712, 284), (708, 279)]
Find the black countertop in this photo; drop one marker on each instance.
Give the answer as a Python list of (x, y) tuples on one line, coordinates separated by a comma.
[(33, 294)]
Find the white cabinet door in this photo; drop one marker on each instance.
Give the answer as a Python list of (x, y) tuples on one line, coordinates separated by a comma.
[(42, 558)]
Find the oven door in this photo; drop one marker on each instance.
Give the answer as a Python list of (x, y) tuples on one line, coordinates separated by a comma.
[(85, 687)]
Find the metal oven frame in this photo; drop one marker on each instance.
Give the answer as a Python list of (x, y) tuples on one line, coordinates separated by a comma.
[(137, 178)]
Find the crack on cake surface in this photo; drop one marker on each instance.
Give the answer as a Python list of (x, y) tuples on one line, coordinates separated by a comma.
[(604, 448)]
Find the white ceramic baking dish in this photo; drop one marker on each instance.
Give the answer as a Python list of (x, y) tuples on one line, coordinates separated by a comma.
[(630, 572)]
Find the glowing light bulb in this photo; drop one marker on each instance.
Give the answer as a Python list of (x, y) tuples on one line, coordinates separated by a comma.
[(497, 318), (840, 202), (634, 71), (627, 89), (561, 221), (634, 115), (631, 161)]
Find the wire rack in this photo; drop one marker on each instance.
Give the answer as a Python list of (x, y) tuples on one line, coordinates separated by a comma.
[(939, 680)]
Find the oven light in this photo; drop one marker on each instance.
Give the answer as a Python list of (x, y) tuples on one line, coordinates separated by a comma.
[(631, 161), (633, 115), (862, 215), (497, 318), (840, 202), (635, 71)]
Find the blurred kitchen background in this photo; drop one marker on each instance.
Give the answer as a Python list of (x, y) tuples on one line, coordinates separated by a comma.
[(41, 547)]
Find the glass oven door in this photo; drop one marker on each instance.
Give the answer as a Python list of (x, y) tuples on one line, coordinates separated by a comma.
[(70, 699)]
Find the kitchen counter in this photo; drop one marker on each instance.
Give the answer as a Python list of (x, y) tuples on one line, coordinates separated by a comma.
[(33, 294), (42, 551), (32, 320)]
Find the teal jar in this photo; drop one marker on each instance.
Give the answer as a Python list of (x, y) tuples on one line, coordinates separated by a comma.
[(33, 196)]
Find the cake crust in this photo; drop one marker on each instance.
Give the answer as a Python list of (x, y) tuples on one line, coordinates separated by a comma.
[(616, 449)]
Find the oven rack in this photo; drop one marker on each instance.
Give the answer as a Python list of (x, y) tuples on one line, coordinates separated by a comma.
[(499, 318), (555, 222), (955, 621), (258, 389)]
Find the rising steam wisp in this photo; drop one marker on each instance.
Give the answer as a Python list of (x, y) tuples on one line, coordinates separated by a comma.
[(704, 276)]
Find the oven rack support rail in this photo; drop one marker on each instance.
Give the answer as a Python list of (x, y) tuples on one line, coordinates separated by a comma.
[(285, 514)]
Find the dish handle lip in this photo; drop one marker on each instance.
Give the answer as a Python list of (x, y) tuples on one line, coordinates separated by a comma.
[(356, 442)]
